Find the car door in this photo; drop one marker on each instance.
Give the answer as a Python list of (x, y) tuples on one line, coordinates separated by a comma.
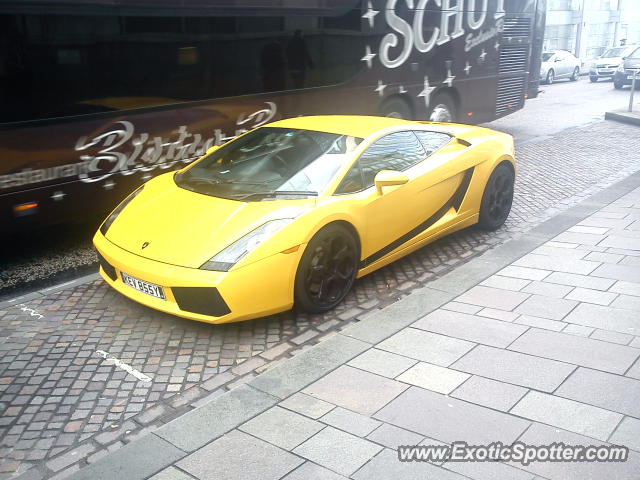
[(560, 65), (399, 213)]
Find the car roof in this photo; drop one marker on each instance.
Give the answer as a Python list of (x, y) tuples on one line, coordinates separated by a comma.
[(355, 125)]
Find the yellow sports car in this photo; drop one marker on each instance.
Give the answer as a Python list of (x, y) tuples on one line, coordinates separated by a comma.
[(291, 213)]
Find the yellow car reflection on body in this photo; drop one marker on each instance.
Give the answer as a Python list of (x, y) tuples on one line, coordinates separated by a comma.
[(291, 213)]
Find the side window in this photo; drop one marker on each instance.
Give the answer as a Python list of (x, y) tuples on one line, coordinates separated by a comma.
[(432, 141), (396, 151), (352, 181)]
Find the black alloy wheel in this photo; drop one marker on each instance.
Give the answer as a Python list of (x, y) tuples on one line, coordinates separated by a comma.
[(497, 198), (327, 269)]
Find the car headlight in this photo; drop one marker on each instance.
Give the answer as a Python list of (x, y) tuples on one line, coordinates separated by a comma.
[(232, 254), (110, 219)]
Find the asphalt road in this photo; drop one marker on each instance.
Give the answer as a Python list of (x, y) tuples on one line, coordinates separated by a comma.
[(58, 392), (560, 106)]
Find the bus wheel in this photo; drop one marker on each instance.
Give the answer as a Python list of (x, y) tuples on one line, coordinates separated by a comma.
[(396, 108), (442, 109)]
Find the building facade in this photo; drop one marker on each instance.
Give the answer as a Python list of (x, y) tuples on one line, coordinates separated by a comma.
[(588, 27)]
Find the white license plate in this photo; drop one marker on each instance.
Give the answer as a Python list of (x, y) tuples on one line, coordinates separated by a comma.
[(630, 77), (144, 287)]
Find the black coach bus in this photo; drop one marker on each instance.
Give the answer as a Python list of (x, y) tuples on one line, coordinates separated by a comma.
[(97, 96)]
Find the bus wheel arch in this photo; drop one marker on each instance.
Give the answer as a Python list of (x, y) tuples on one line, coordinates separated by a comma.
[(444, 106), (397, 106)]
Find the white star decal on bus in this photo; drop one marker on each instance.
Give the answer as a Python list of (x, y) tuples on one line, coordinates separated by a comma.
[(482, 56), (108, 185), (368, 57), (371, 13), (58, 195), (450, 77), (426, 91), (467, 69), (380, 88)]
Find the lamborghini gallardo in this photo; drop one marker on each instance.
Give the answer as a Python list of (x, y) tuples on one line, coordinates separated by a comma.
[(289, 214)]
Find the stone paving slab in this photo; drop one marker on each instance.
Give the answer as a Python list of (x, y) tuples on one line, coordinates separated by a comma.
[(470, 327), (426, 346), (576, 350), (239, 456), (448, 419), (516, 368)]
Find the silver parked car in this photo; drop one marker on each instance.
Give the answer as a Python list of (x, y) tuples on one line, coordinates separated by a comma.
[(559, 64), (605, 65)]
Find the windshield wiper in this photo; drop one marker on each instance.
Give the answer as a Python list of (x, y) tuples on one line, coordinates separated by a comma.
[(275, 193), (214, 181)]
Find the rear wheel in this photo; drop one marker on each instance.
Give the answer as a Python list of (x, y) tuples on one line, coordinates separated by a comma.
[(497, 198), (327, 269), (618, 85), (550, 77), (593, 79), (575, 75), (443, 109), (396, 108)]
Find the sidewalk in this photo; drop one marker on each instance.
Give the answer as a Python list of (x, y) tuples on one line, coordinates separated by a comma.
[(537, 340)]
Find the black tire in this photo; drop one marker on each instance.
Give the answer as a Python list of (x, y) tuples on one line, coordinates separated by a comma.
[(396, 108), (593, 79), (575, 75), (497, 198), (550, 77), (617, 85), (442, 109), (327, 269)]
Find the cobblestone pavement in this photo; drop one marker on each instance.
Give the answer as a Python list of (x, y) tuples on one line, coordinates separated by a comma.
[(57, 393)]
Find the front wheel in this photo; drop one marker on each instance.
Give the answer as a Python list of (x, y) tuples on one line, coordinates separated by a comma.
[(327, 269), (617, 85), (593, 79), (575, 75), (550, 77), (497, 198)]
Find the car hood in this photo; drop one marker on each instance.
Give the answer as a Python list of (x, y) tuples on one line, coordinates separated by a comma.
[(185, 228), (632, 63), (608, 61)]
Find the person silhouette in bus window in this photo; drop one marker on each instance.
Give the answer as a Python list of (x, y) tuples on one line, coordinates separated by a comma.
[(298, 59), (274, 77)]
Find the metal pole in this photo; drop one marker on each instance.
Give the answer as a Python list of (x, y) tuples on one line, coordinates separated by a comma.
[(633, 89)]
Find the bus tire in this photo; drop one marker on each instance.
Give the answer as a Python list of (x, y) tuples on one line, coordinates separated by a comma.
[(442, 109), (396, 107)]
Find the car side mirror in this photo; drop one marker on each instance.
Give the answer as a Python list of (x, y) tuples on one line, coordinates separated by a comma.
[(624, 58), (558, 59), (388, 178)]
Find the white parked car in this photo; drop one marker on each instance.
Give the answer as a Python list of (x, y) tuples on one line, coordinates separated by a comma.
[(559, 64), (605, 65)]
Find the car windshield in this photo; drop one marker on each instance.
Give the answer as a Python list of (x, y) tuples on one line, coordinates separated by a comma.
[(635, 54), (547, 56), (270, 163), (614, 52)]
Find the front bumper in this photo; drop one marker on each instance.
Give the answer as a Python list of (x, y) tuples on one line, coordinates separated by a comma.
[(261, 288), (603, 72), (624, 78)]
